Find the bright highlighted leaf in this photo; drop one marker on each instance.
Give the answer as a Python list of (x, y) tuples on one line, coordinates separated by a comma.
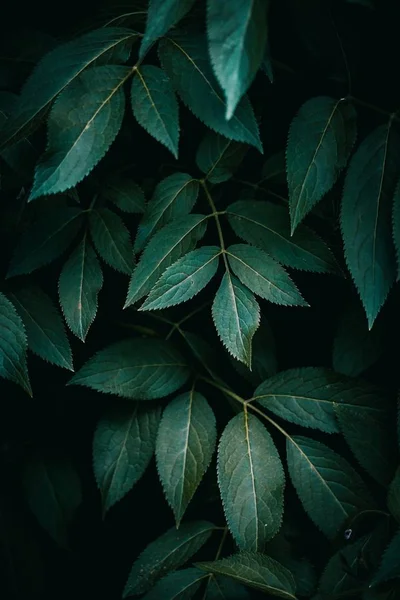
[(263, 275), (82, 125), (330, 490), (219, 157), (173, 197), (111, 239), (321, 138), (237, 37), (186, 61), (44, 326), (180, 585), (366, 217), (166, 553), (267, 226), (142, 369), (251, 481), (123, 445), (13, 346), (161, 16), (236, 316), (125, 194), (169, 244), (390, 565), (155, 106), (185, 444), (184, 279)]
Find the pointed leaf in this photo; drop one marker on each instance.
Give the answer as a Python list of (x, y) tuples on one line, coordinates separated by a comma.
[(185, 444), (185, 59), (274, 167), (125, 194), (82, 125), (142, 369), (237, 37), (390, 565), (393, 499), (223, 588), (13, 346), (219, 157), (365, 217), (251, 481), (123, 445), (111, 239), (161, 16), (321, 138), (180, 585), (236, 316), (166, 553)]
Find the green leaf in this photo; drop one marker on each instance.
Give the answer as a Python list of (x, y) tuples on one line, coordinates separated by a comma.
[(258, 571), (185, 444), (204, 353), (263, 275), (82, 125), (155, 106), (390, 565), (43, 325), (266, 64), (365, 217), (161, 16), (251, 481), (111, 239), (236, 316), (184, 278), (223, 588), (274, 167), (180, 585), (45, 240), (237, 37), (219, 157), (185, 59), (168, 244), (55, 72), (80, 282), (320, 141), (125, 194), (166, 553), (266, 225), (123, 445), (330, 490), (142, 369), (13, 346), (53, 491), (173, 197), (393, 498), (22, 157)]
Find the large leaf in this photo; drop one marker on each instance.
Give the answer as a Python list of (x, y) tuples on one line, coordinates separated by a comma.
[(256, 570), (390, 565), (43, 325), (184, 279), (251, 481), (224, 588), (169, 244), (82, 125), (124, 193), (13, 346), (123, 445), (111, 239), (321, 138), (166, 553), (237, 37), (236, 316), (180, 585), (173, 197), (155, 106), (366, 217), (219, 157), (267, 226), (55, 72), (142, 369), (80, 282), (186, 61), (185, 444), (161, 16), (330, 490), (393, 497)]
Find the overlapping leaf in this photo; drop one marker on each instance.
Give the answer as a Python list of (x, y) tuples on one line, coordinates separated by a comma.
[(161, 16), (125, 194), (13, 346), (264, 363), (224, 588), (180, 585), (390, 565), (219, 157), (111, 239)]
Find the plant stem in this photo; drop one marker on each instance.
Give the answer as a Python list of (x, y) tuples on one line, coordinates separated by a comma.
[(215, 214)]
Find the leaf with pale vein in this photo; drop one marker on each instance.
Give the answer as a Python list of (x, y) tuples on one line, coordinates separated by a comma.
[(125, 194), (13, 346), (219, 157), (161, 16), (111, 239)]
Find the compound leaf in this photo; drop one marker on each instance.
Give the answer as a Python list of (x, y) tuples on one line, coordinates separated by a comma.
[(219, 157), (13, 346), (111, 239)]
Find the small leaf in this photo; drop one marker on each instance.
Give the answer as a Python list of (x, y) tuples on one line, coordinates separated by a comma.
[(390, 565), (111, 239), (173, 197), (180, 585), (125, 194), (236, 316), (166, 553), (184, 279), (223, 588), (185, 444), (219, 157), (123, 445), (82, 125), (237, 37), (330, 490), (393, 499), (13, 346), (251, 481), (365, 217), (256, 570), (161, 16), (320, 141), (185, 59), (44, 326), (169, 244), (142, 369), (155, 106)]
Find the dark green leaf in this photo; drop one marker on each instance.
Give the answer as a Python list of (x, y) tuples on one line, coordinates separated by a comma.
[(266, 64), (264, 362), (111, 239), (161, 16), (274, 167), (390, 565), (13, 346), (125, 194), (393, 499), (219, 157), (180, 585), (202, 351), (223, 588), (22, 157)]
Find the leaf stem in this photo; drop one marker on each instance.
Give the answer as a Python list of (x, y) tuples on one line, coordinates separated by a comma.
[(215, 214)]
